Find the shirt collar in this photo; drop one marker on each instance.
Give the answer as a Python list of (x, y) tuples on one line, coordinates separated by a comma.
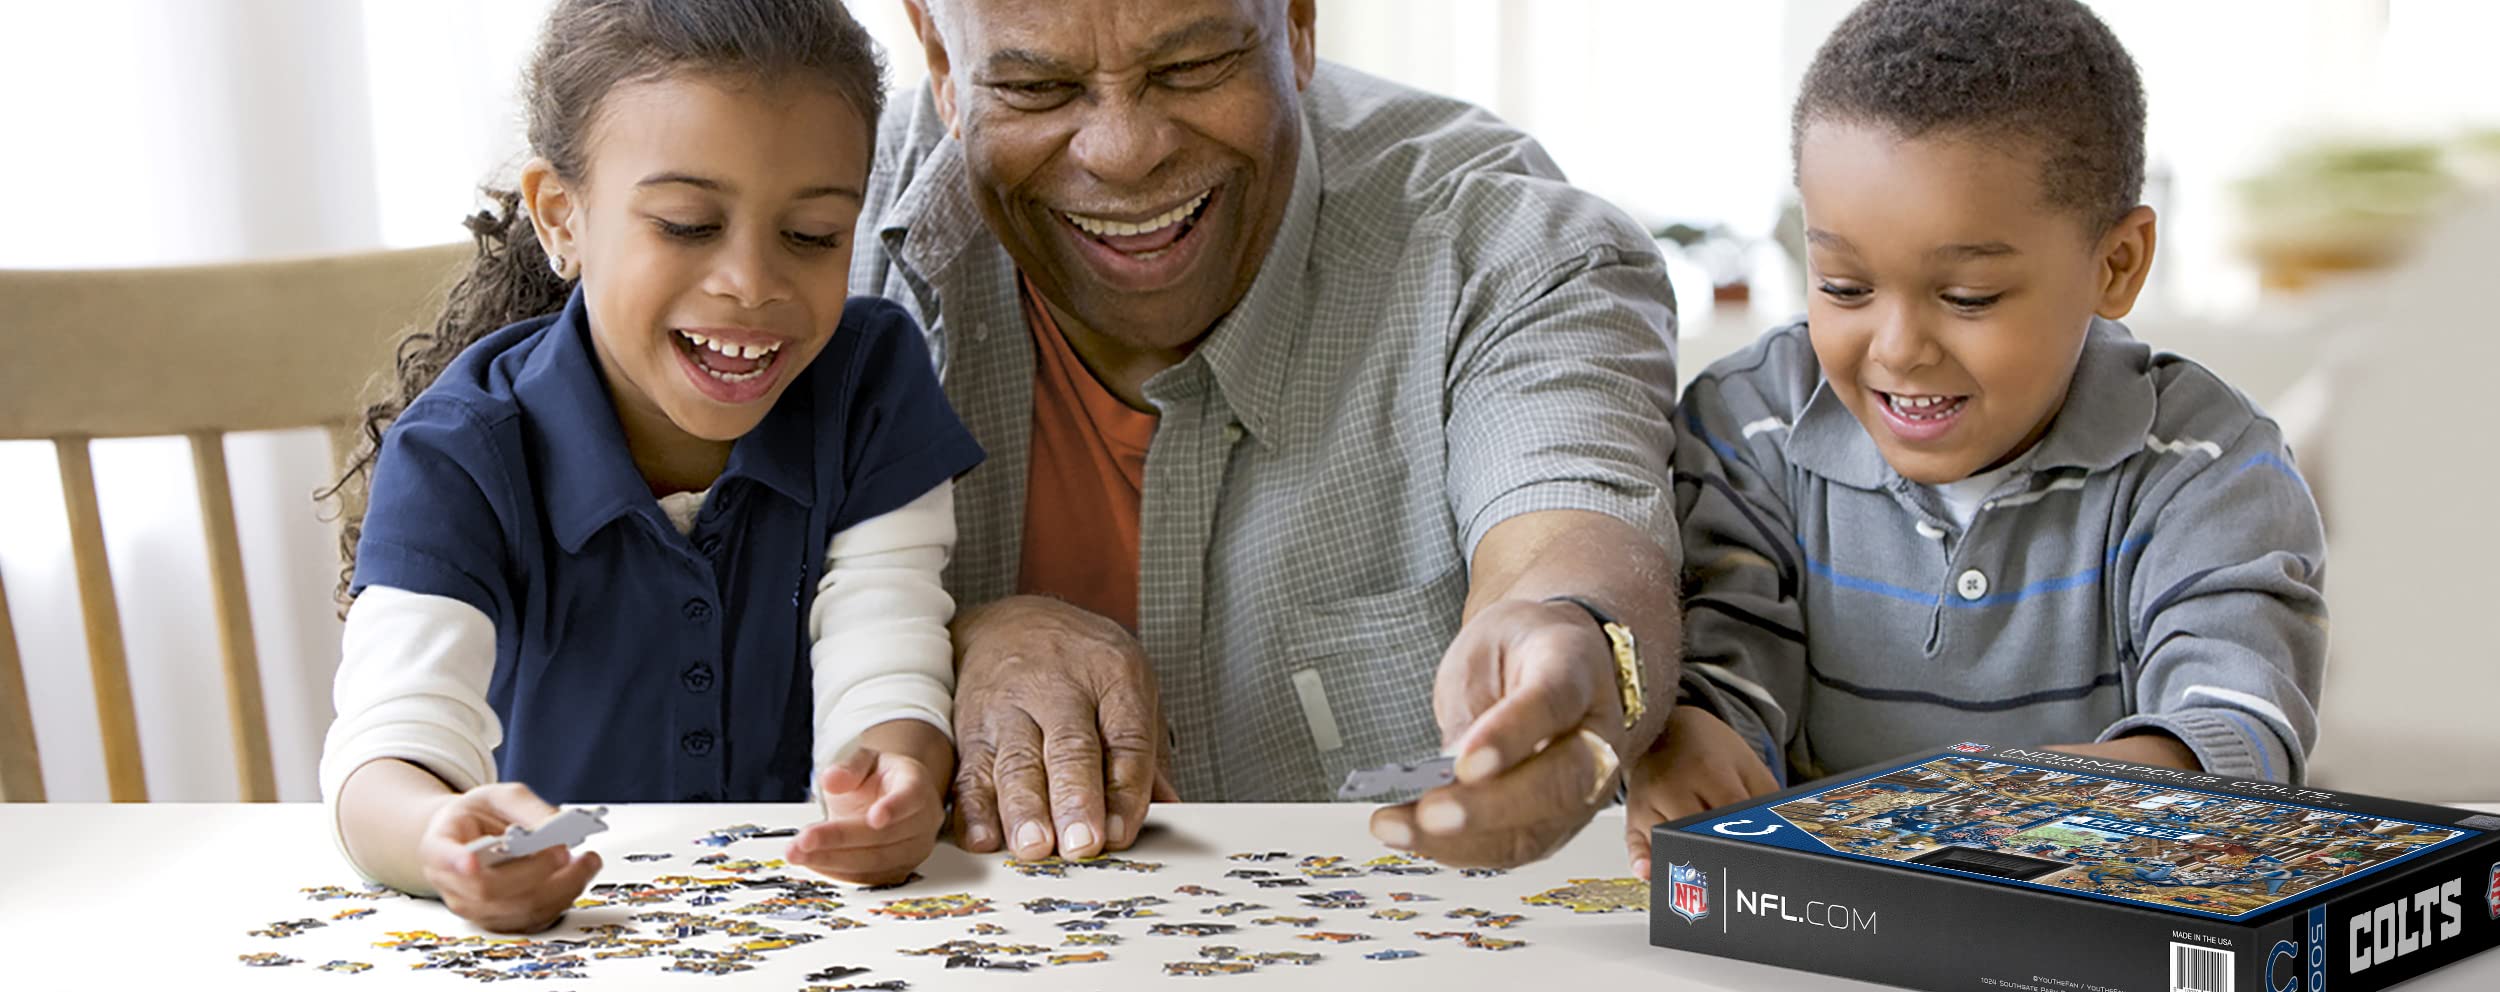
[(1250, 349), (2109, 410), (587, 476)]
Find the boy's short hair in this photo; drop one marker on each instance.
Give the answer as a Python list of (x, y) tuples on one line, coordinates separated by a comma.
[(2044, 71)]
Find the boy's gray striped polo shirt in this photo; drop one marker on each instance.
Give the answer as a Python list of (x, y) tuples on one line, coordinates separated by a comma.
[(2159, 563)]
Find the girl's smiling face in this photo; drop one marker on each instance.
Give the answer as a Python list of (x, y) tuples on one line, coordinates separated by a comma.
[(1947, 298), (711, 230)]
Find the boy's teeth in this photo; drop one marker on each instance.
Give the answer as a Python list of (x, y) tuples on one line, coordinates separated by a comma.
[(1101, 228), (1921, 407)]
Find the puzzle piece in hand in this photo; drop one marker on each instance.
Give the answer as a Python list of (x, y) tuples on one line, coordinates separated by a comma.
[(1399, 776), (565, 829)]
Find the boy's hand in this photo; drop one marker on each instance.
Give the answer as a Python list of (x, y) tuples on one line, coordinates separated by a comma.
[(524, 895), (882, 813), (2149, 748), (1700, 763)]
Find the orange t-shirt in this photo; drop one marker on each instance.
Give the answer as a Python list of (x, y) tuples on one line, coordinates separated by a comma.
[(1085, 482)]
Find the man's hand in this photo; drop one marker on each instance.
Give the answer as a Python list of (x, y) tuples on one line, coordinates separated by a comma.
[(1058, 731), (524, 895), (1700, 763), (884, 802), (1526, 698)]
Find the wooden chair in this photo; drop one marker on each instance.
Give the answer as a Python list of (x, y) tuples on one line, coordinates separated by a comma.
[(198, 352)]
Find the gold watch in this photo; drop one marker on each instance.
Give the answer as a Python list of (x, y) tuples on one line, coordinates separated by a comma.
[(1627, 653)]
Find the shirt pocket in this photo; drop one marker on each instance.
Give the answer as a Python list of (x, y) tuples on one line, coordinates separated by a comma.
[(1359, 671)]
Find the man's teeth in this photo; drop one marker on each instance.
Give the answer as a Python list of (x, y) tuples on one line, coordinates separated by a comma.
[(728, 350), (1922, 407), (1101, 228)]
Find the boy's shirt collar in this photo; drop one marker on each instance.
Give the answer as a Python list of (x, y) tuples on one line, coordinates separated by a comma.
[(2107, 415), (587, 476)]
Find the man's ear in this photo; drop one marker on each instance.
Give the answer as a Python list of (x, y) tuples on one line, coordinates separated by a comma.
[(924, 24), (555, 213), (2124, 258), (1301, 17)]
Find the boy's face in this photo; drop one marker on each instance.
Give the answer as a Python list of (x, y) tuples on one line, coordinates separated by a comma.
[(712, 230), (1946, 298)]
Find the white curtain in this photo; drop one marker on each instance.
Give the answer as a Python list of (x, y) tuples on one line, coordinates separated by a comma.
[(158, 131)]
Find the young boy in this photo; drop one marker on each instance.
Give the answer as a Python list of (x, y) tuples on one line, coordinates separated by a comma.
[(1960, 502)]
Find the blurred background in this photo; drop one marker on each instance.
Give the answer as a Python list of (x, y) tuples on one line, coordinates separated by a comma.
[(2325, 173)]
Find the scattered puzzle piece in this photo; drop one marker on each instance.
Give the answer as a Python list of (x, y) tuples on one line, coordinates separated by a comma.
[(1334, 937), (1087, 957), (1191, 929), (1290, 921), (1285, 957), (287, 928), (267, 959), (1596, 895), (347, 967), (1199, 969), (1393, 914), (1394, 954), (935, 907)]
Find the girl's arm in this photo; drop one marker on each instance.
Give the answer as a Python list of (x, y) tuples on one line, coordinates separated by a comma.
[(880, 649), (413, 727), (408, 768), (883, 670)]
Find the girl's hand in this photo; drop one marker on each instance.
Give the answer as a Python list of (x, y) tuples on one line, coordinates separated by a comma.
[(524, 895), (882, 813), (1699, 764)]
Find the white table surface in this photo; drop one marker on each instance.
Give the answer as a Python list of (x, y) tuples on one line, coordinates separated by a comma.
[(161, 895)]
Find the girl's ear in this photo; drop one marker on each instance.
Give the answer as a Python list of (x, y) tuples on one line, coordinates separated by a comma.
[(555, 213), (2125, 258)]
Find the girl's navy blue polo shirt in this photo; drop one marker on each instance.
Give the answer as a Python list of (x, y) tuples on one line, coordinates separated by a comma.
[(632, 663)]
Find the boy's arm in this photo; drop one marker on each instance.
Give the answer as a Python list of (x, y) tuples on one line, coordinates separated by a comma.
[(1744, 632), (880, 651), (2228, 612)]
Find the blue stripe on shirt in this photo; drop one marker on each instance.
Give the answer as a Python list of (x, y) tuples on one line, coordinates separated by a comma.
[(2078, 580)]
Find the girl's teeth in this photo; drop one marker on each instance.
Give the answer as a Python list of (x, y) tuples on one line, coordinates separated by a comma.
[(728, 350)]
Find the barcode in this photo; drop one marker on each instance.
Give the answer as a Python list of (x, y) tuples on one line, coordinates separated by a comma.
[(2199, 969)]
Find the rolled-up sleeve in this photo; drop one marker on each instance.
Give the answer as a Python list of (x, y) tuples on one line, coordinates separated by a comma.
[(1563, 401)]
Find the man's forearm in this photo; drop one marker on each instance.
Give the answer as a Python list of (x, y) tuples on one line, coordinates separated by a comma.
[(1537, 556)]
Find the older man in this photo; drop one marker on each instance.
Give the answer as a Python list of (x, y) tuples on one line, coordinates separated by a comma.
[(1328, 427)]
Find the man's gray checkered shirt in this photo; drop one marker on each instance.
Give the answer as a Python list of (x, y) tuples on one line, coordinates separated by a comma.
[(1444, 335)]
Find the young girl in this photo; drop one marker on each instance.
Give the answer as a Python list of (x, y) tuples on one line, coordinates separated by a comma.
[(673, 532)]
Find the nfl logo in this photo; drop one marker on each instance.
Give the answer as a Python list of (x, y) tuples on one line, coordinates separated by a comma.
[(2491, 895), (1688, 891), (1967, 747)]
